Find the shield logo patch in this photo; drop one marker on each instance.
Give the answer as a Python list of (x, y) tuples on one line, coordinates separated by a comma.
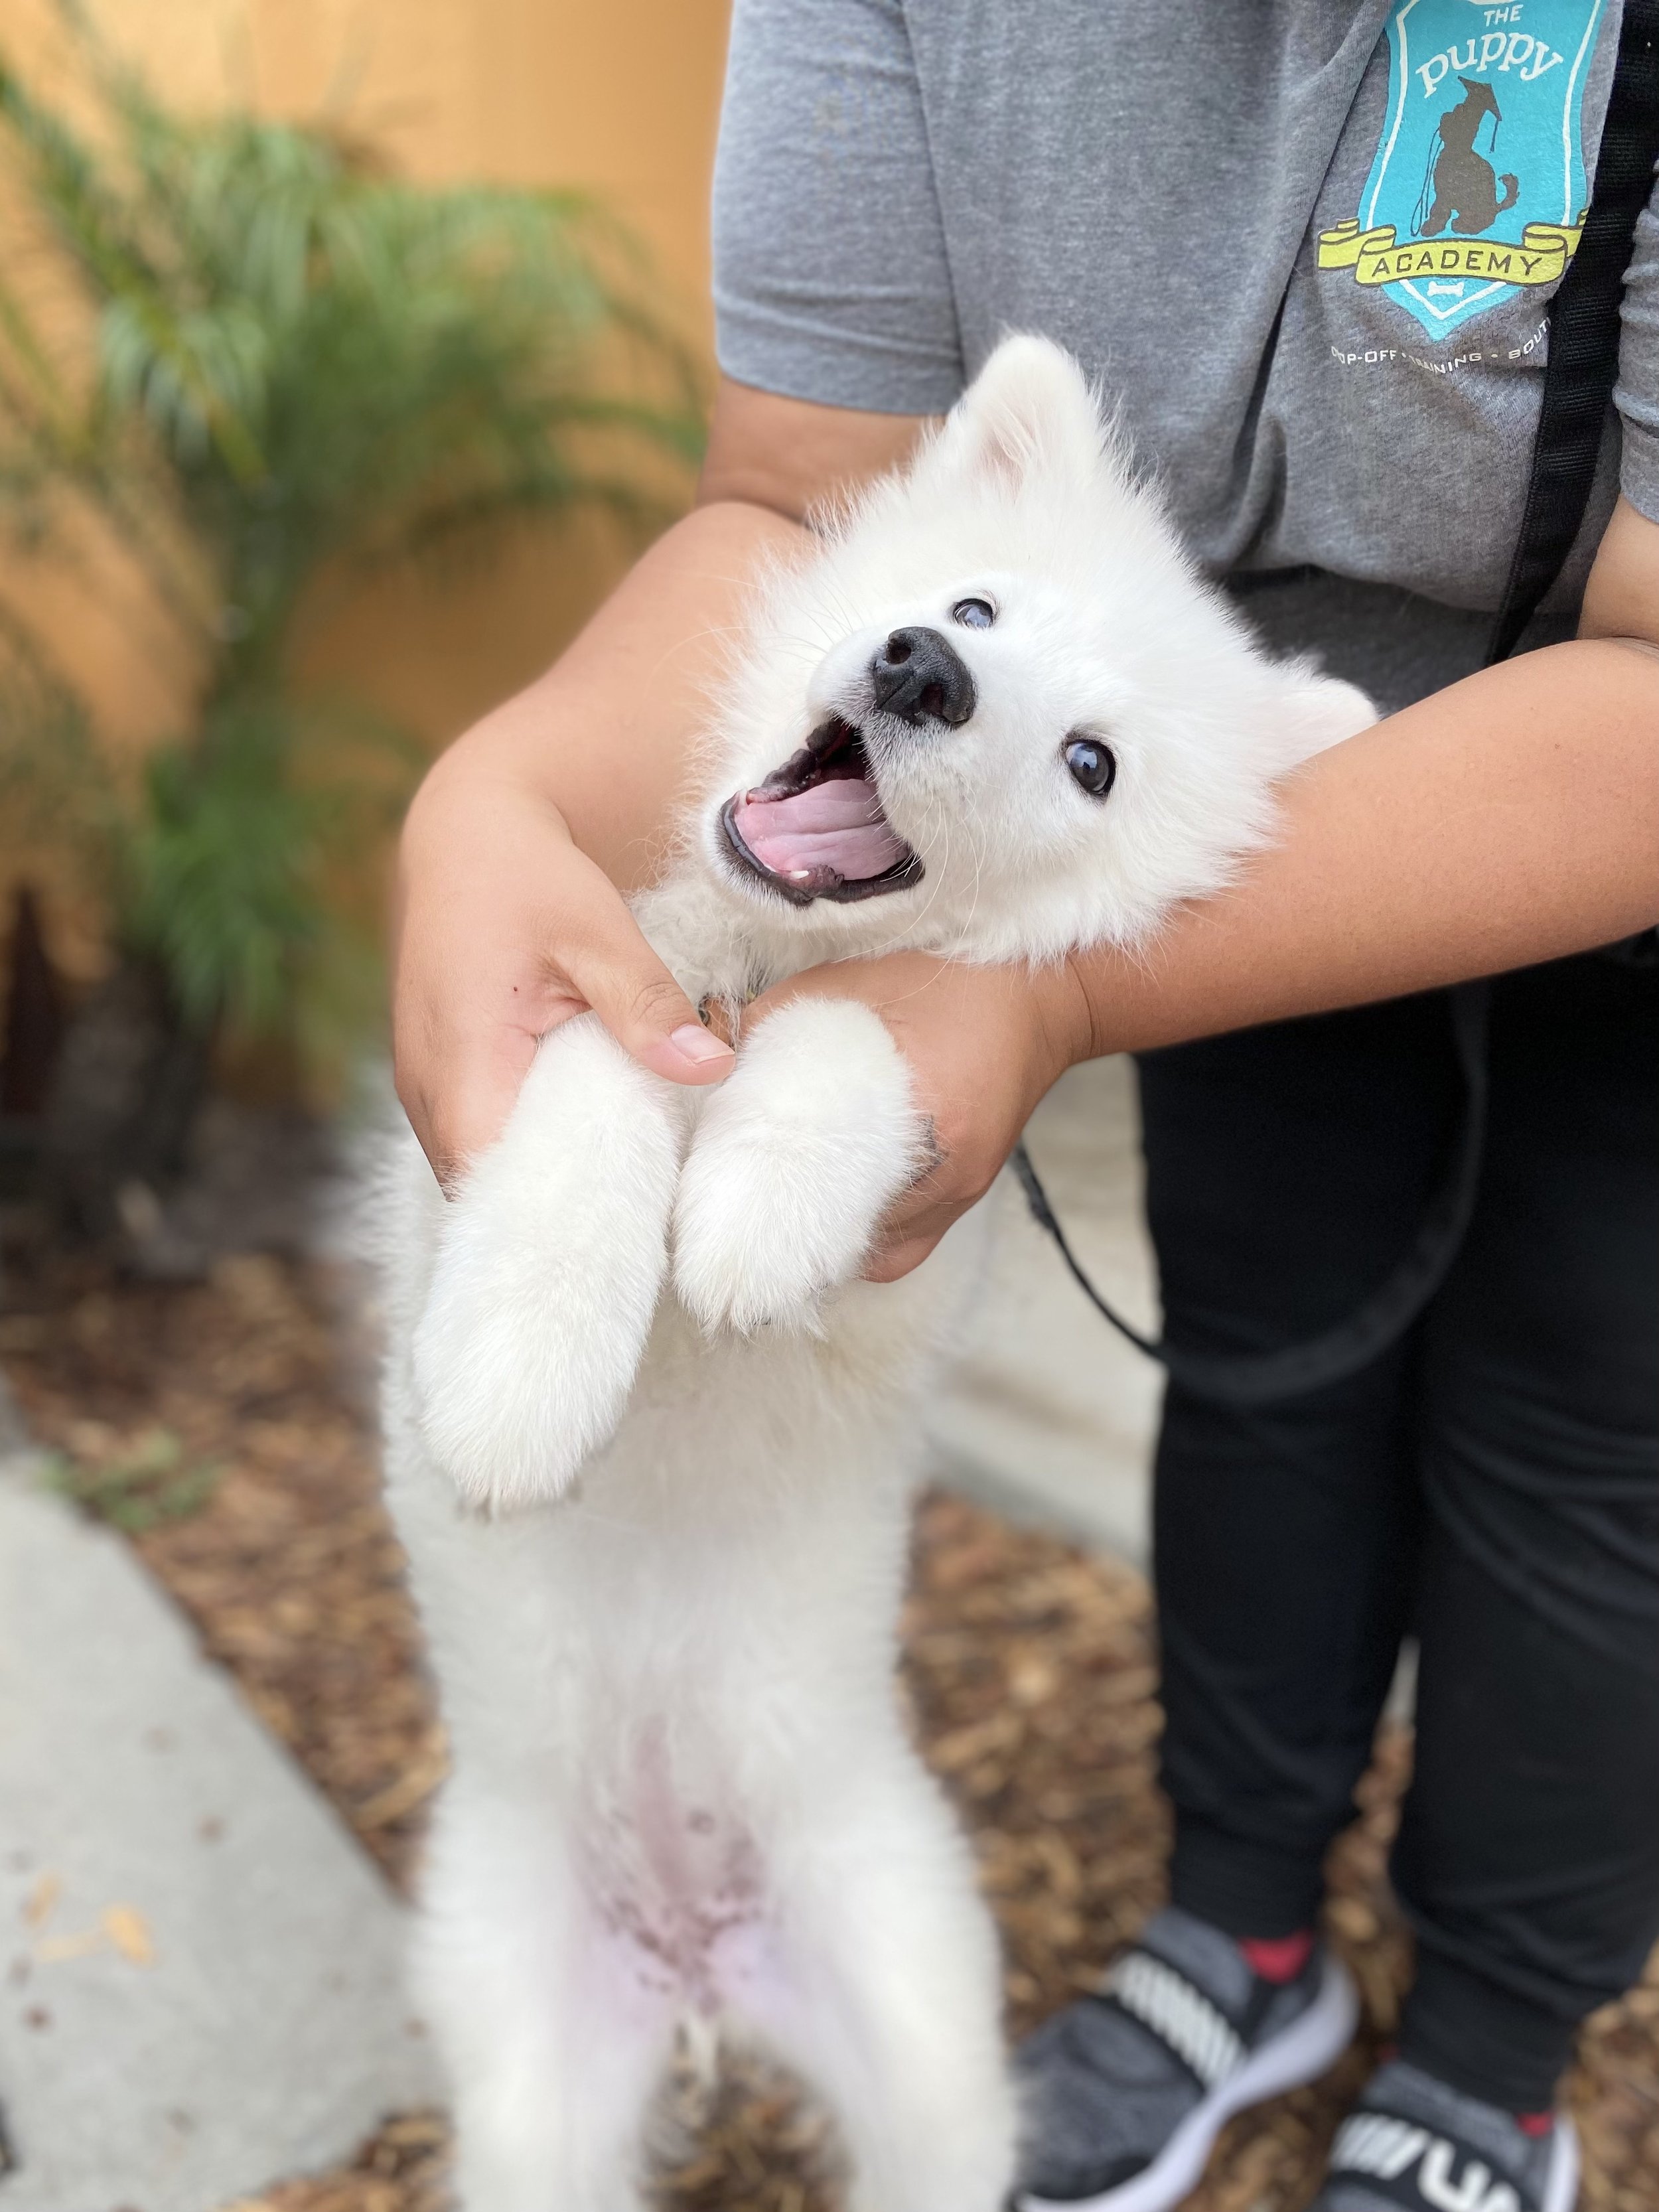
[(1478, 188)]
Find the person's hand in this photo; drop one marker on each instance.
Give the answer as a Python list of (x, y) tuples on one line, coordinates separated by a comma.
[(505, 929), (508, 918), (983, 1046)]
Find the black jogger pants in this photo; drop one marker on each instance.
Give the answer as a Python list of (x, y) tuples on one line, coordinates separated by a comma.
[(1490, 1485)]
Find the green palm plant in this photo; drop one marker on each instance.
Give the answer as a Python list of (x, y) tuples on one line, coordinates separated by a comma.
[(301, 367)]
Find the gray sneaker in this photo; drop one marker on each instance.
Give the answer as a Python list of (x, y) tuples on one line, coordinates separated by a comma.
[(1411, 2144), (1125, 2093)]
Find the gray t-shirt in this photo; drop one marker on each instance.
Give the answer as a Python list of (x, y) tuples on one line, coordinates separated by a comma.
[(1309, 247)]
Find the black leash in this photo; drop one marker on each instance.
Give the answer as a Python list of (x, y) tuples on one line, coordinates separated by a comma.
[(1263, 1378), (1578, 381), (1584, 356)]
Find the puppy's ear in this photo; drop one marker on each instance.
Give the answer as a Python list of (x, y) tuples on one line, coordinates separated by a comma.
[(1029, 413), (1313, 711)]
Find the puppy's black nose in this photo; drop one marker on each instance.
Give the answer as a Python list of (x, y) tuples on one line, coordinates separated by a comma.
[(919, 676)]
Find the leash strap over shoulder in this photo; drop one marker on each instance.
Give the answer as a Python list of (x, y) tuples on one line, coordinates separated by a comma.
[(1578, 382), (1584, 331)]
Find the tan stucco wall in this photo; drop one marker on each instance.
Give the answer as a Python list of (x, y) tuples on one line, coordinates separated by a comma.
[(618, 97)]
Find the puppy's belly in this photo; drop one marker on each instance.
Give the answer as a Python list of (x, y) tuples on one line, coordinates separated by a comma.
[(676, 1884), (710, 1958)]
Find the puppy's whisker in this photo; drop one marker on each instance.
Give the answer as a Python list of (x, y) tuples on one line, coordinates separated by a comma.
[(965, 933)]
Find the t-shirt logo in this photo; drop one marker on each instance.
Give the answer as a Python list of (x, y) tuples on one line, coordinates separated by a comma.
[(1478, 189)]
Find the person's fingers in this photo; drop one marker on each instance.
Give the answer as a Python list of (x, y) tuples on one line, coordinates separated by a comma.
[(891, 1260), (938, 1016), (603, 952), (916, 1220), (460, 1116), (462, 1051)]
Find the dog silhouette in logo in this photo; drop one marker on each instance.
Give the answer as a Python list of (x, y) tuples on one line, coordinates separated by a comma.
[(1460, 187)]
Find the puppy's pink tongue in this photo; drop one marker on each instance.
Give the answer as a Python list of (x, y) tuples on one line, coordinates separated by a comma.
[(837, 825)]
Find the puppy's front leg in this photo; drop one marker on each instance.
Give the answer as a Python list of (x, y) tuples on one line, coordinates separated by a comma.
[(796, 1159), (549, 1265)]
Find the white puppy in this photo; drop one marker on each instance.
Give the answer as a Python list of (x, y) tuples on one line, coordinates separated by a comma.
[(995, 716)]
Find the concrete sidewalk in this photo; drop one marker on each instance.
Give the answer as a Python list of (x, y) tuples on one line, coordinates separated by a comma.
[(200, 1980)]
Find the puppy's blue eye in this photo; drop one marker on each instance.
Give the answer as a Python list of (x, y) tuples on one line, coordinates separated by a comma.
[(1093, 765), (973, 614)]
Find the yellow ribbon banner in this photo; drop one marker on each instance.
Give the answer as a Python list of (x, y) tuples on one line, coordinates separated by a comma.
[(1540, 258)]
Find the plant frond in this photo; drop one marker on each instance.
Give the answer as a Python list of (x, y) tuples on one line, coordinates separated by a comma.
[(304, 365), (55, 786)]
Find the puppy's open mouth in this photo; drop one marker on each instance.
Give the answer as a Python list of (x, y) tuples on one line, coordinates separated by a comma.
[(814, 828)]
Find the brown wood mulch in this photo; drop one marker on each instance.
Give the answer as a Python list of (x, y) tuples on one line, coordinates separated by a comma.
[(218, 1423)]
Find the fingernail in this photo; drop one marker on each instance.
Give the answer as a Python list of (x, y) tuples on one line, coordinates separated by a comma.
[(694, 1042)]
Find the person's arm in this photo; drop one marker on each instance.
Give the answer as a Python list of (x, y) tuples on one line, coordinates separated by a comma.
[(1511, 818), (527, 831)]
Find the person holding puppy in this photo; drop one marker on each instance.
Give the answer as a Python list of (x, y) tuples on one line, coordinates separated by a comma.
[(1311, 252)]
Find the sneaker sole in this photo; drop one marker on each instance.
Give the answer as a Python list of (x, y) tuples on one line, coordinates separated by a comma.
[(1561, 2189), (1312, 2043)]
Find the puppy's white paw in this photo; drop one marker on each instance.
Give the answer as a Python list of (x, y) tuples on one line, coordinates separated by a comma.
[(797, 1156), (548, 1266)]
